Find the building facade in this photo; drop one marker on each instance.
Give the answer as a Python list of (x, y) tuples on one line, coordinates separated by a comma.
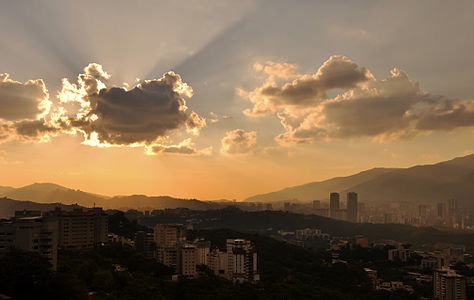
[(81, 229), (241, 261), (447, 285), (30, 231)]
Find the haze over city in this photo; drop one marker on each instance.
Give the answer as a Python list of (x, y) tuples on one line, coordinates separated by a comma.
[(211, 100)]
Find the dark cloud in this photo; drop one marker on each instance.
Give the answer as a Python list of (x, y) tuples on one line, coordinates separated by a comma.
[(20, 101), (34, 129), (142, 115)]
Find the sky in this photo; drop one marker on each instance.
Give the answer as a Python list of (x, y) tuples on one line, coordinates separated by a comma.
[(227, 99)]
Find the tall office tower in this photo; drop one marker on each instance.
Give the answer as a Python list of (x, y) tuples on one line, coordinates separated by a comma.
[(421, 210), (352, 207), (316, 204), (168, 235), (333, 204), (241, 261), (447, 285), (81, 228)]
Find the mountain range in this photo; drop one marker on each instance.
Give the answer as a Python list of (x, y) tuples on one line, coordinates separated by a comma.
[(419, 184)]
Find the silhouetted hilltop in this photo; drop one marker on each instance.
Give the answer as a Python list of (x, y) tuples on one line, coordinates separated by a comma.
[(157, 202), (48, 193), (9, 206), (425, 183), (51, 193)]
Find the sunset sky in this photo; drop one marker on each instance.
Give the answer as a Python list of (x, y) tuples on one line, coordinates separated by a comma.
[(226, 99)]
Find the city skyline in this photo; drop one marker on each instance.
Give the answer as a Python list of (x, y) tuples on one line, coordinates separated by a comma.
[(251, 107)]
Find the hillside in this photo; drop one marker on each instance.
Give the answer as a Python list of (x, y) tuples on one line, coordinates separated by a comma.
[(50, 193), (426, 183), (47, 193), (158, 202)]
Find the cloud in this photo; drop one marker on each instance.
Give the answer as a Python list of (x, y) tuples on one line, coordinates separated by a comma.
[(392, 108), (150, 111), (239, 142), (277, 70), (20, 101), (106, 115), (214, 118), (448, 115), (186, 147), (37, 129), (336, 72)]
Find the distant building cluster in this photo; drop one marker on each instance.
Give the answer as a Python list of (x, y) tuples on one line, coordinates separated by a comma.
[(45, 233), (169, 245), (443, 214)]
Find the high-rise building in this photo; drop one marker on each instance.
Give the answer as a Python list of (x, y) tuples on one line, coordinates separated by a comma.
[(202, 251), (187, 260), (447, 285), (241, 261), (352, 206), (287, 206), (81, 229), (145, 244), (168, 235), (169, 257), (218, 262), (30, 231), (333, 204)]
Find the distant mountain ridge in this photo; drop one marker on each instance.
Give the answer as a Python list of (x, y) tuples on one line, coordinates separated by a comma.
[(423, 184), (50, 193)]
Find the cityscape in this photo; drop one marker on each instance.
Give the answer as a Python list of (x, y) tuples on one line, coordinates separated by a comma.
[(252, 149)]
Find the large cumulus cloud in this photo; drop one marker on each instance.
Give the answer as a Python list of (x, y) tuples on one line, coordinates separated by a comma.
[(336, 72), (141, 115), (391, 108)]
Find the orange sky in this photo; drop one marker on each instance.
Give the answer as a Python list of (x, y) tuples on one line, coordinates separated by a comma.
[(227, 102)]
